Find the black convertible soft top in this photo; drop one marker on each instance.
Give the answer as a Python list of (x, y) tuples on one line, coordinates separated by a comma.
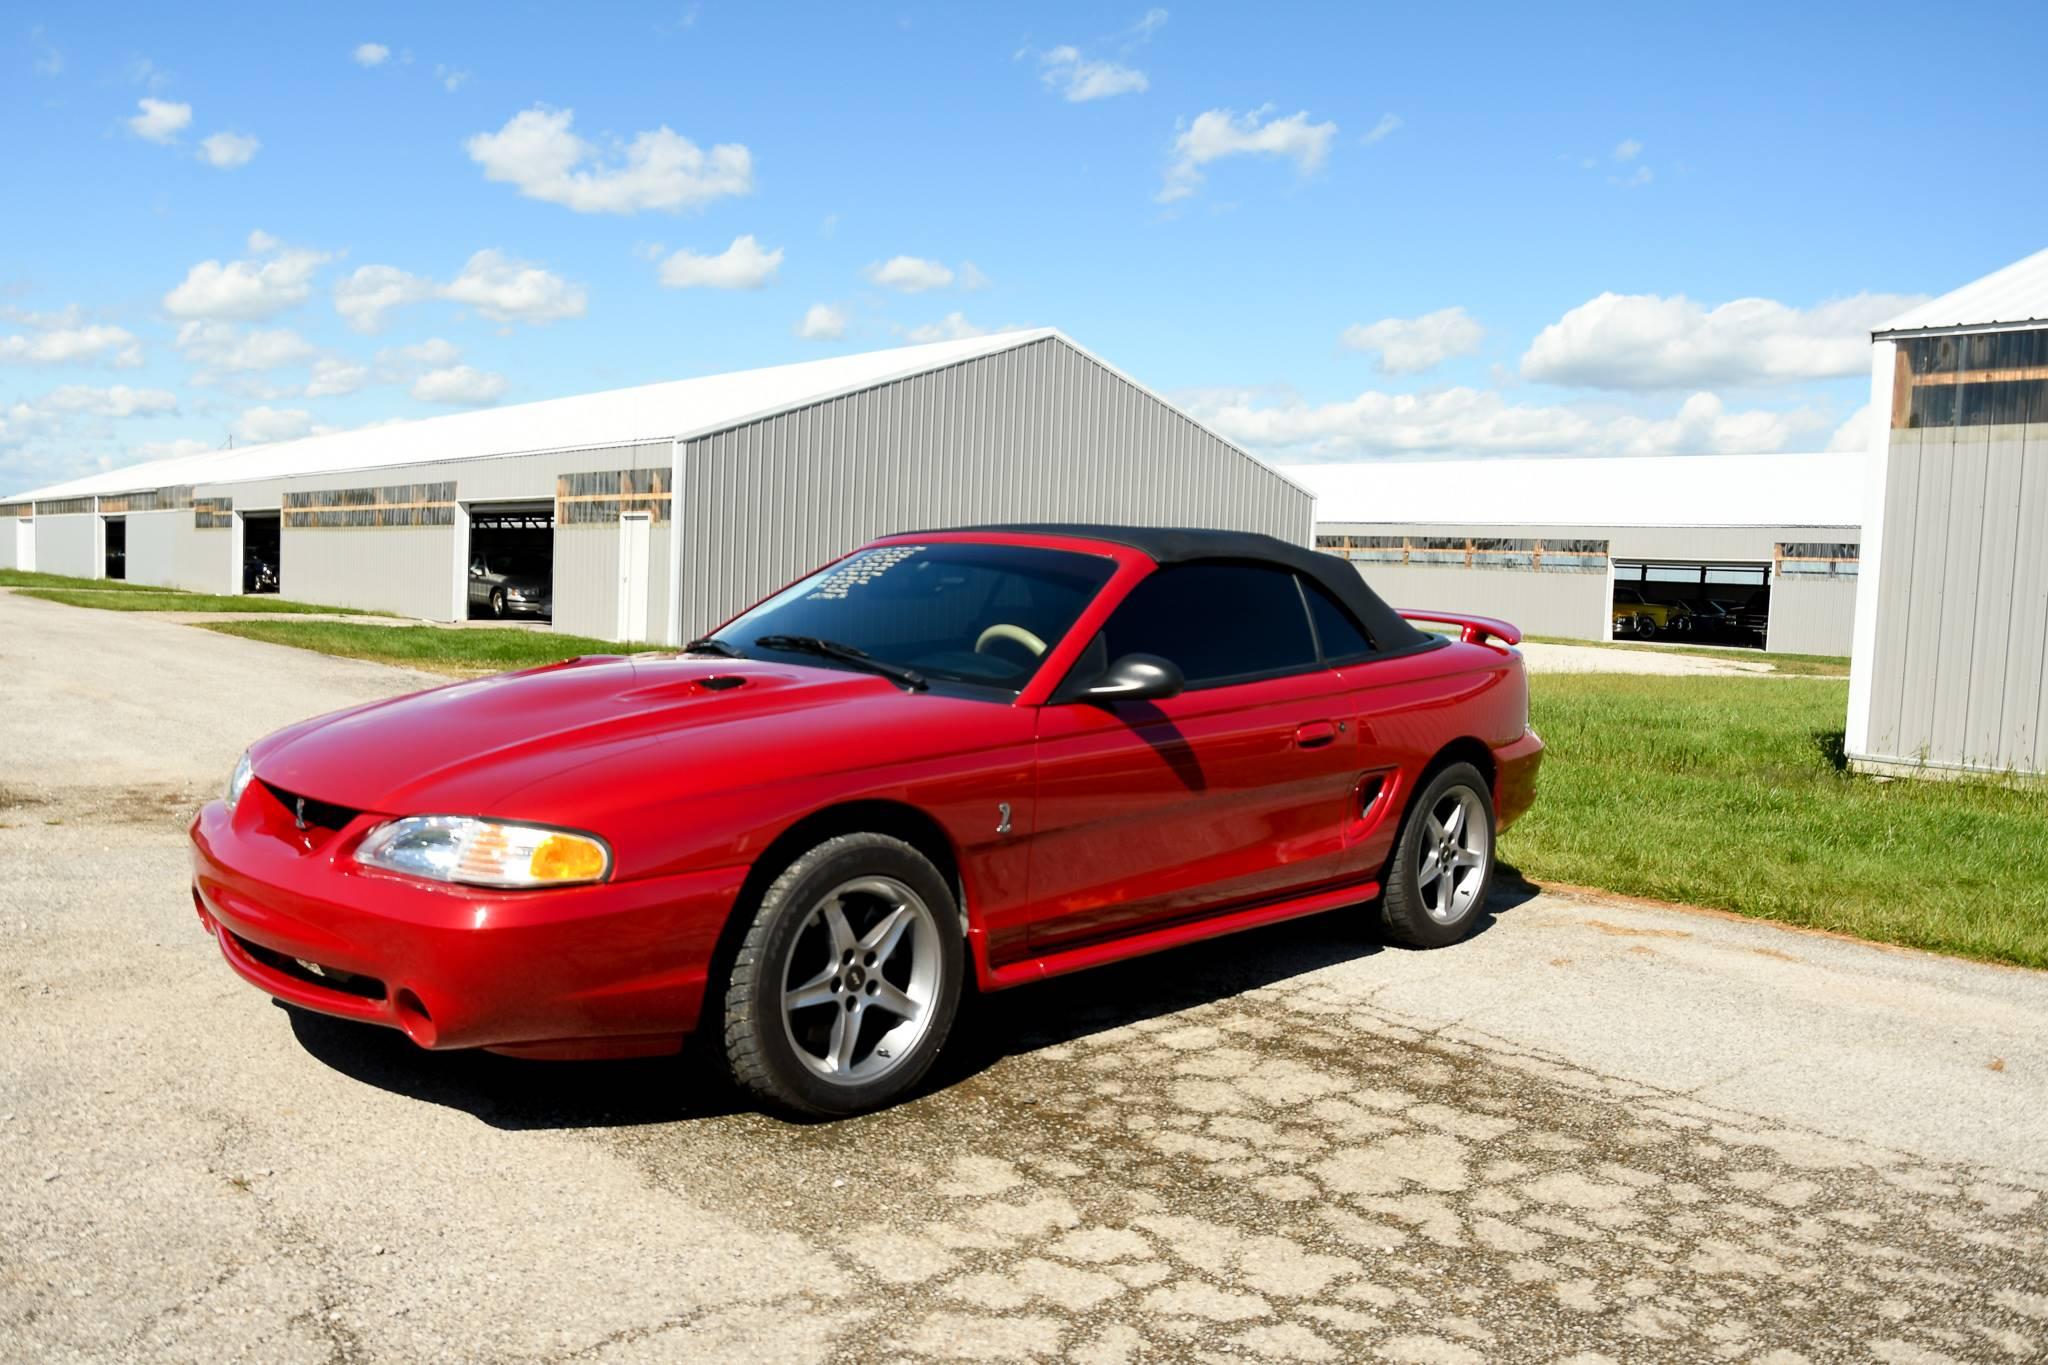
[(1181, 545)]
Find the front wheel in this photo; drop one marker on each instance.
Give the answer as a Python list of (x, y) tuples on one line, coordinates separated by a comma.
[(498, 603), (1442, 864), (846, 984)]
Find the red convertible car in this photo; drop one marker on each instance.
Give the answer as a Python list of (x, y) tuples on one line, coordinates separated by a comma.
[(994, 754)]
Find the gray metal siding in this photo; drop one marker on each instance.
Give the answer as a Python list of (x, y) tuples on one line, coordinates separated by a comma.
[(69, 545), (1574, 605), (413, 571), (587, 557), (17, 543), (165, 550), (1039, 433), (1729, 544), (1962, 616), (1812, 614)]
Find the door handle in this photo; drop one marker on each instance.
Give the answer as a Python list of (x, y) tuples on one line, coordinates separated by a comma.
[(1315, 734)]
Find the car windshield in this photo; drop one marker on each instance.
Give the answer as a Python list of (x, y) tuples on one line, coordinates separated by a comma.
[(514, 562), (955, 612)]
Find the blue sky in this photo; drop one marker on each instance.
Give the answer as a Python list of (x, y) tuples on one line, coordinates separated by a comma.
[(1337, 232)]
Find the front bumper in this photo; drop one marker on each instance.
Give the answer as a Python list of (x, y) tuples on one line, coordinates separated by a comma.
[(607, 970)]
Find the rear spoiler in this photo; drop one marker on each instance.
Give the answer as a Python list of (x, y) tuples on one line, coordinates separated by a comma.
[(1473, 630)]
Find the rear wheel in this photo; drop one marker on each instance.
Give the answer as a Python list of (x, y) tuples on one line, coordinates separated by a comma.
[(1442, 864), (846, 984)]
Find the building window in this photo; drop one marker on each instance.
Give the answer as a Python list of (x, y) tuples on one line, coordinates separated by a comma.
[(1986, 379), (1817, 559), (1471, 552)]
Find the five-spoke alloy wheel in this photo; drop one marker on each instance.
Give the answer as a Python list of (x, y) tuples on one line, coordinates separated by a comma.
[(846, 983), (1442, 864)]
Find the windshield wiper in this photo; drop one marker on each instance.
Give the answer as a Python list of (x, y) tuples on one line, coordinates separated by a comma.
[(710, 646), (831, 649)]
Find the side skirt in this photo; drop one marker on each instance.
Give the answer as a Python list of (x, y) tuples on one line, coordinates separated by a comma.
[(1173, 936)]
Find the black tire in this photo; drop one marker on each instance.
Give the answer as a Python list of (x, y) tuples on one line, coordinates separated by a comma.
[(498, 603), (1405, 912), (760, 1046)]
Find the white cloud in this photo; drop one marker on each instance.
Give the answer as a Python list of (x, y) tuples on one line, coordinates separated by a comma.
[(364, 297), (910, 274), (48, 60), (333, 377), (160, 120), (1854, 433), (461, 385), (822, 322), (1220, 132), (116, 401), (451, 79), (223, 347), (743, 265), (952, 327), (1388, 125), (171, 450), (1413, 345), (1649, 341), (1641, 175), (971, 276), (1474, 422), (1152, 21), (260, 424), (1628, 149), (371, 54), (225, 151), (504, 289), (658, 169), (1079, 78), (433, 353), (249, 290), (66, 339)]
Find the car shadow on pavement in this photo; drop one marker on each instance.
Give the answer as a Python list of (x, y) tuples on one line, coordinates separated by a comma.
[(512, 1093), (1069, 1007), (515, 1094)]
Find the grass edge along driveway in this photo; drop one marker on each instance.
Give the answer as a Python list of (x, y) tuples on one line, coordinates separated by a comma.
[(109, 599), (1724, 792), (1732, 793)]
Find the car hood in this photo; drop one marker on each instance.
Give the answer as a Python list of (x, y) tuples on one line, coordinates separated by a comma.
[(467, 749)]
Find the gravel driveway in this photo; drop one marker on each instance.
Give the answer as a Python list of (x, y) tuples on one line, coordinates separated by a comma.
[(1593, 1131)]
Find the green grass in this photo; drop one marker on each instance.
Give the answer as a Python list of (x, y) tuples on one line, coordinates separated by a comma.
[(24, 578), (463, 653), (1730, 793), (148, 600), (1799, 665)]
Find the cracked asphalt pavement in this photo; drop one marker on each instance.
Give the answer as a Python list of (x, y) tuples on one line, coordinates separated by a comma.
[(1595, 1131)]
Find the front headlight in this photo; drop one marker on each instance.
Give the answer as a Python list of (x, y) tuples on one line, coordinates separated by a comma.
[(240, 780), (457, 848)]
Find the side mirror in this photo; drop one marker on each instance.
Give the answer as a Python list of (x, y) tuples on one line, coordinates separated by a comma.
[(1136, 677)]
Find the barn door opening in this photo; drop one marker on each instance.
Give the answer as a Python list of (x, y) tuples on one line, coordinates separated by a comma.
[(633, 570), (511, 570), (117, 547)]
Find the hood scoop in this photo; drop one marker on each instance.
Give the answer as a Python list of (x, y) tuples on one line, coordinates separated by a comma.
[(722, 682)]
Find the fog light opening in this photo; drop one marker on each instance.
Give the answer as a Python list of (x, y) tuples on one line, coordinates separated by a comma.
[(413, 1018)]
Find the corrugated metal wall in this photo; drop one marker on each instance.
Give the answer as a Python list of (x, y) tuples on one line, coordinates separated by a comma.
[(409, 570), (69, 545), (1817, 620), (587, 554), (1812, 614), (1574, 605), (1962, 615), (165, 550), (1039, 433)]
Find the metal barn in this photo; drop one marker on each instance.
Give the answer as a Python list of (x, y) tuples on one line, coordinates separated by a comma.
[(656, 512), (1753, 550), (1953, 625)]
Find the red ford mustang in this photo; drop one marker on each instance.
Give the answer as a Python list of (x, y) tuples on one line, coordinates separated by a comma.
[(1008, 752)]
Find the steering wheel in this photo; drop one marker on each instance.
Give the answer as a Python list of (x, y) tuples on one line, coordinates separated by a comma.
[(1003, 630)]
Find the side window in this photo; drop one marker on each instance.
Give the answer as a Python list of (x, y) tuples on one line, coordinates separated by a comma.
[(1216, 621), (1342, 639)]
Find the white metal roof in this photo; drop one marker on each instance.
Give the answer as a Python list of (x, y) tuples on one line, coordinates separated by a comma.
[(2018, 293), (1655, 490), (680, 408)]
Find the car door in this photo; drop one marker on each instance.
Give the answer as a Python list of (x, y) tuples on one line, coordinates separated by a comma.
[(1237, 790), (479, 588)]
